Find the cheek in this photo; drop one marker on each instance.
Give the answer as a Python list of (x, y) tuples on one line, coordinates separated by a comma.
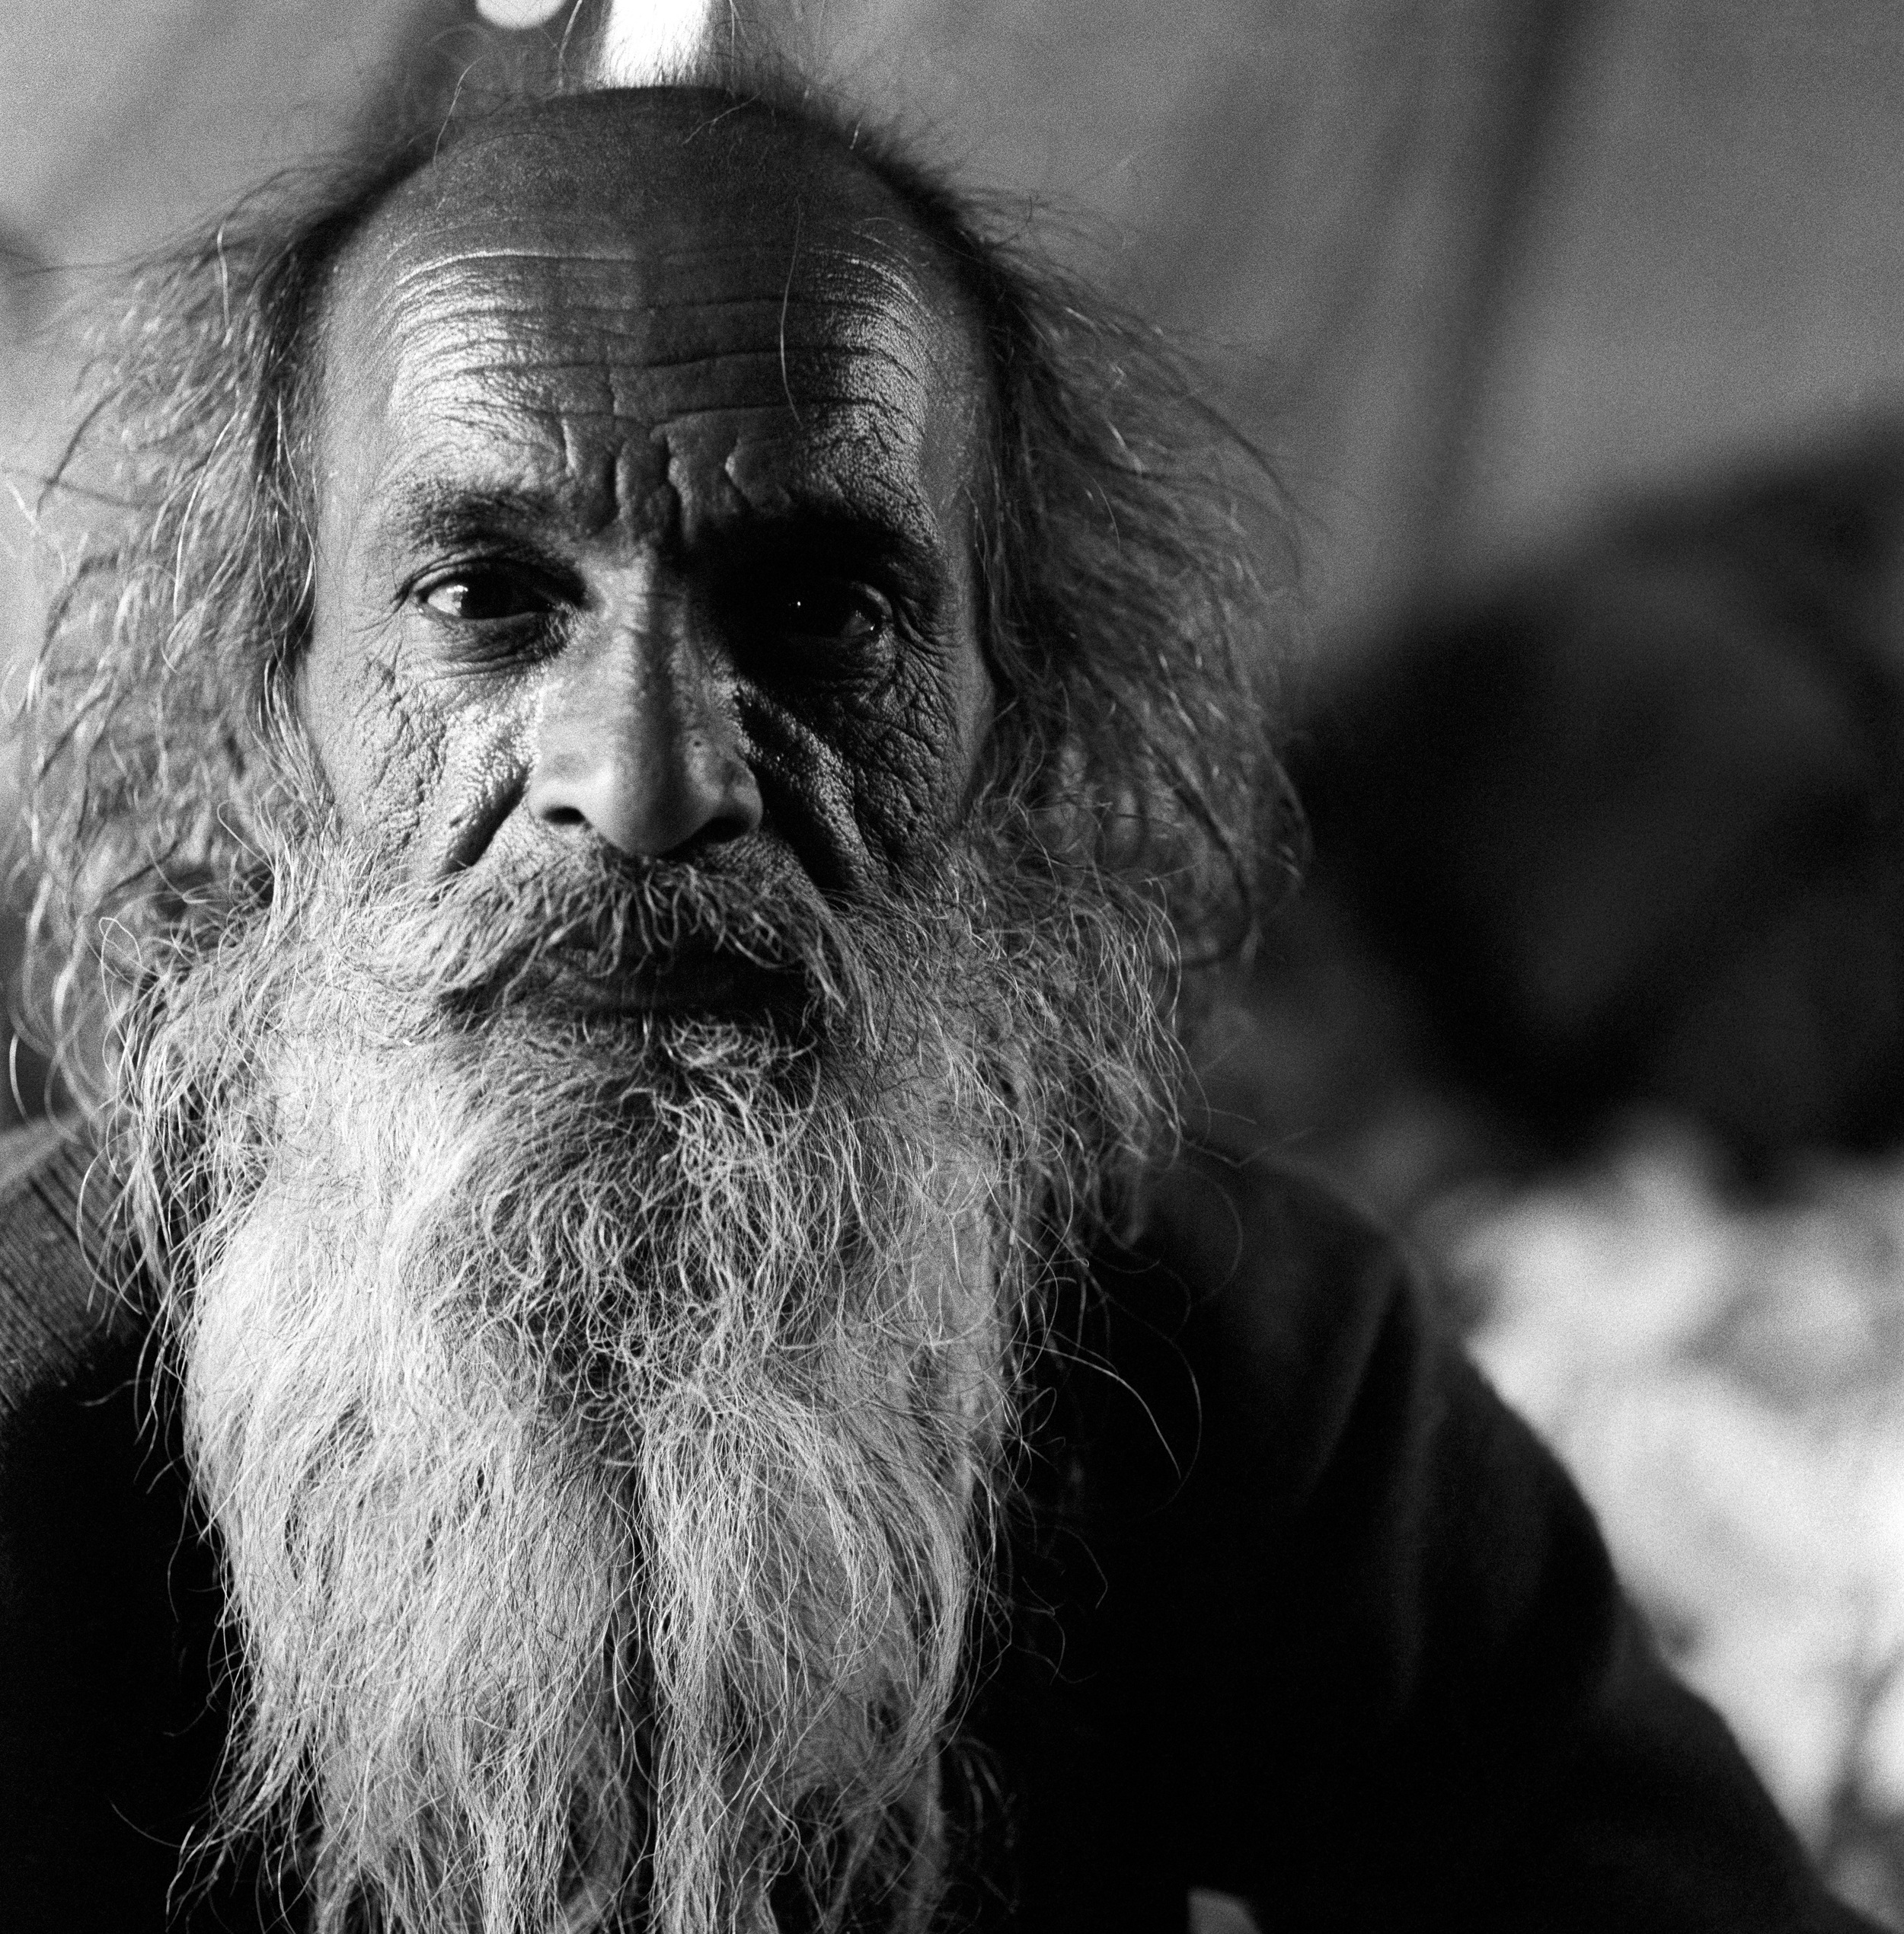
[(952, 707), (410, 765), (367, 747), (913, 762), (974, 703), (860, 783)]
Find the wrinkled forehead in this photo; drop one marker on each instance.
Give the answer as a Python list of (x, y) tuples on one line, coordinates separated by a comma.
[(643, 266)]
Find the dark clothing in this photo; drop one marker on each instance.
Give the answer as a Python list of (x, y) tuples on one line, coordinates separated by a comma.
[(1302, 1614)]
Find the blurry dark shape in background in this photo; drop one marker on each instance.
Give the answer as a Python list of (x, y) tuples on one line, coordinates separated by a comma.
[(1597, 988), (1619, 831)]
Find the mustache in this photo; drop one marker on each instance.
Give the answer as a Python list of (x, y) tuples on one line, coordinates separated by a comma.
[(590, 921)]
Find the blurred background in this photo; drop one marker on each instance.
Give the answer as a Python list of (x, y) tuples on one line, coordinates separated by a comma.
[(1573, 327)]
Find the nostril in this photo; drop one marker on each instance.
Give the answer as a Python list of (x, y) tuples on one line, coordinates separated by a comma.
[(646, 776), (736, 817)]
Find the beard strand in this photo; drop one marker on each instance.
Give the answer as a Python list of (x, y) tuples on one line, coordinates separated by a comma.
[(604, 1417)]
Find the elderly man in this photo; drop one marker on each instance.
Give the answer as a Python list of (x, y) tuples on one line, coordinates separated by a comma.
[(614, 782)]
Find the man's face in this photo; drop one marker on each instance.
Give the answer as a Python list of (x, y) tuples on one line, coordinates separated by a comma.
[(646, 455)]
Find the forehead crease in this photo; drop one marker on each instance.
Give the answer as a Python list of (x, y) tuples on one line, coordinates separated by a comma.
[(812, 360), (865, 341), (857, 392), (516, 240), (519, 335), (690, 283), (843, 453)]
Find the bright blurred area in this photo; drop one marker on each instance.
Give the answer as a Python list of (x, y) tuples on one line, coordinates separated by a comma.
[(1571, 327)]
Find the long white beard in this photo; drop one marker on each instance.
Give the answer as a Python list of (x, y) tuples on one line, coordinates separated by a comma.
[(600, 1417)]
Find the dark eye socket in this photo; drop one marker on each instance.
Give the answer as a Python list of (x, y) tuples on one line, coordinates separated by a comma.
[(485, 594), (839, 612)]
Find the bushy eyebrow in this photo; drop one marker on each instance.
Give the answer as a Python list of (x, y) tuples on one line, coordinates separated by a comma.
[(439, 514)]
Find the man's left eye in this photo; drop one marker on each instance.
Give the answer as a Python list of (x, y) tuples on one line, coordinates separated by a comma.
[(484, 594), (834, 611)]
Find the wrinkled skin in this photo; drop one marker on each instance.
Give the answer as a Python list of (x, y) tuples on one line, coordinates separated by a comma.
[(647, 444)]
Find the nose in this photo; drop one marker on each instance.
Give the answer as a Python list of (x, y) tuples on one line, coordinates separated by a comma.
[(636, 742)]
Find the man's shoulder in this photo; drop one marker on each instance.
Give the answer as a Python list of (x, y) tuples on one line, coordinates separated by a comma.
[(59, 1305), (1267, 1296), (1258, 1227), (107, 1597)]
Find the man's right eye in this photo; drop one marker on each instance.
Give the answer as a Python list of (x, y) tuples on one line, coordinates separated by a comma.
[(487, 594)]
